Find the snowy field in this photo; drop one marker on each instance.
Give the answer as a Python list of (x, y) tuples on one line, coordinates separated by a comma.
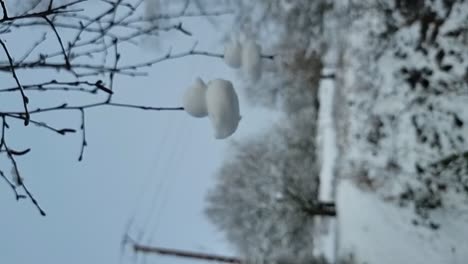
[(376, 231), (379, 232)]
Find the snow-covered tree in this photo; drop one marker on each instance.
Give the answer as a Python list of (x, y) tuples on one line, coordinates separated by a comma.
[(265, 199), (293, 31), (403, 75)]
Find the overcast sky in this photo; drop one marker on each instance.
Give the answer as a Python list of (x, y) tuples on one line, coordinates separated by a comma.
[(156, 166)]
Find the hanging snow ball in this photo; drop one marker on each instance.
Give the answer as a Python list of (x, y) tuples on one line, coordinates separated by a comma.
[(223, 107), (194, 99), (251, 59), (233, 53)]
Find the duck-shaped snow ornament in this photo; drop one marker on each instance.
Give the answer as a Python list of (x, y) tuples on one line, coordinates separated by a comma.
[(243, 52), (218, 101)]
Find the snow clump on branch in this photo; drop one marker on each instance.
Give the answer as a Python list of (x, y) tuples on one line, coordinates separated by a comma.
[(246, 55), (218, 101), (232, 53), (223, 107), (194, 99), (251, 59)]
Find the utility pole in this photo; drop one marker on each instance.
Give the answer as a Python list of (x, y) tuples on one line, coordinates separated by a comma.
[(184, 254)]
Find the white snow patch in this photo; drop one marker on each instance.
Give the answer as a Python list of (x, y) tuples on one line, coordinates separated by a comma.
[(377, 232)]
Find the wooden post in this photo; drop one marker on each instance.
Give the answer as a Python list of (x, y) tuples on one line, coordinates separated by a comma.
[(185, 254)]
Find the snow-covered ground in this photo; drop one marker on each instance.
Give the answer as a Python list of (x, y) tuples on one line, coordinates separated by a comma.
[(377, 232), (369, 227)]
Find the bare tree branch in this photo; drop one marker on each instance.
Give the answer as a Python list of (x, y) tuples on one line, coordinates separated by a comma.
[(23, 95), (10, 153), (5, 12)]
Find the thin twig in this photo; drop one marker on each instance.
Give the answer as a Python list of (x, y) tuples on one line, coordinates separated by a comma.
[(84, 143), (63, 86), (15, 167), (60, 131), (33, 47), (111, 75), (94, 105), (13, 187), (23, 95), (67, 61), (56, 10)]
